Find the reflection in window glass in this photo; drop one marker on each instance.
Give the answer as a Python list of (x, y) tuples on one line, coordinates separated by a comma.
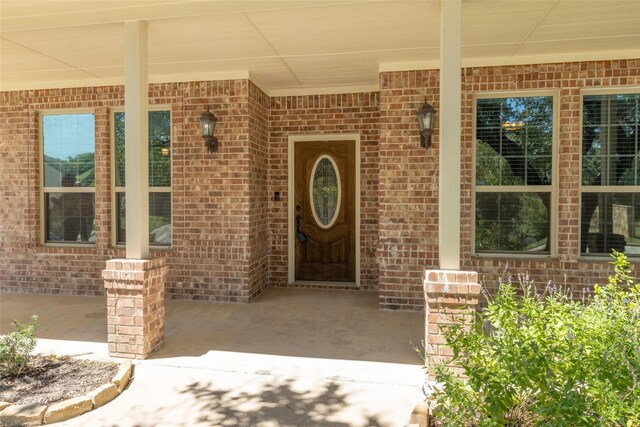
[(610, 128), (159, 219), (611, 221), (159, 148), (514, 141), (70, 217), (68, 146), (512, 222), (159, 177), (514, 152)]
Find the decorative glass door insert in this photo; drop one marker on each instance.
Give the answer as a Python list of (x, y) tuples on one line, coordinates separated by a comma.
[(324, 191)]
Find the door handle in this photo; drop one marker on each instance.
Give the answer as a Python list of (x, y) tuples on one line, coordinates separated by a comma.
[(299, 234)]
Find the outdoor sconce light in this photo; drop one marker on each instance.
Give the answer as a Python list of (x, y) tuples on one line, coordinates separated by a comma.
[(426, 115), (208, 122)]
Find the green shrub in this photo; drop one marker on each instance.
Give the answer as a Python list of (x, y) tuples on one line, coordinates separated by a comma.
[(547, 360), (16, 347)]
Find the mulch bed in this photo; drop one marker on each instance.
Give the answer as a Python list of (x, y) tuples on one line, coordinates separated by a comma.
[(50, 379)]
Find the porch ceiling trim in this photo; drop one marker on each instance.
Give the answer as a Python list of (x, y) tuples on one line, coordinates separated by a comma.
[(298, 48)]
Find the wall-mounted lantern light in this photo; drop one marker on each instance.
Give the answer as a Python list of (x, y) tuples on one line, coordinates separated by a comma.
[(426, 115), (208, 123)]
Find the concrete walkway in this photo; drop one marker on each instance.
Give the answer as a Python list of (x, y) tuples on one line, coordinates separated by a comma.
[(294, 357)]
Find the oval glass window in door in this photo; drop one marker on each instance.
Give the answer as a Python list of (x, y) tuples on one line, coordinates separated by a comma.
[(325, 191)]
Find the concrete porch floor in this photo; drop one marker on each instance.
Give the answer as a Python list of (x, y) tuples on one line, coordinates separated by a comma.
[(294, 357)]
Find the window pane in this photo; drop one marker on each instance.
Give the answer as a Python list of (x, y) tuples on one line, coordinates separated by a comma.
[(159, 219), (610, 221), (512, 222), (159, 148), (69, 147), (70, 217), (610, 139), (118, 138), (121, 219), (514, 141)]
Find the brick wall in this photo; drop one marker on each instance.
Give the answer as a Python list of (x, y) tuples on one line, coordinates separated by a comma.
[(408, 189), (567, 79), (26, 266), (15, 170), (260, 194), (409, 177), (230, 235), (325, 114), (210, 257)]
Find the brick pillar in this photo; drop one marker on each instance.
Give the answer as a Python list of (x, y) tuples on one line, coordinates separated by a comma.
[(135, 306), (449, 295)]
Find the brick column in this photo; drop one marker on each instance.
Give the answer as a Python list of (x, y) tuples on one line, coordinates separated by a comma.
[(135, 306), (449, 295)]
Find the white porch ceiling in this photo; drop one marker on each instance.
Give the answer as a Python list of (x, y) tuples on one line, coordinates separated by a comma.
[(297, 46)]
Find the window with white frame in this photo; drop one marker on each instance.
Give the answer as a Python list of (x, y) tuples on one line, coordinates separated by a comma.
[(514, 158), (68, 177), (159, 178), (610, 192)]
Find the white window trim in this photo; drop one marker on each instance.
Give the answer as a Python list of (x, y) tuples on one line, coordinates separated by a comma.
[(552, 189), (609, 90), (43, 219), (115, 190)]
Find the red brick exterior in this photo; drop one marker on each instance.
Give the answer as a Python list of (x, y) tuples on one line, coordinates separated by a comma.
[(567, 79), (325, 114), (213, 254), (135, 306), (259, 192), (408, 189), (210, 255), (409, 206), (451, 297), (230, 234)]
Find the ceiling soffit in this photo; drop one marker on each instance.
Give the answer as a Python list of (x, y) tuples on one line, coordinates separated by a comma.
[(297, 47)]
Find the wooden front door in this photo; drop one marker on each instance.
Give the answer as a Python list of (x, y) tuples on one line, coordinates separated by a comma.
[(324, 212)]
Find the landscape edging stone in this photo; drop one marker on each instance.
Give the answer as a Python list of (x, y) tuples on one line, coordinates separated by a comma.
[(35, 415)]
